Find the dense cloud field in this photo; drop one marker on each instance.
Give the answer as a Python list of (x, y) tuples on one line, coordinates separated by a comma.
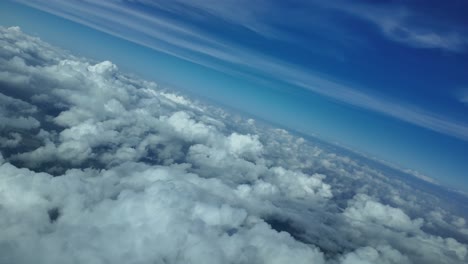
[(100, 167)]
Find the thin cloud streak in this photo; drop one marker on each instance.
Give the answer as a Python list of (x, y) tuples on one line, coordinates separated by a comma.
[(462, 96), (198, 47), (230, 11), (393, 21)]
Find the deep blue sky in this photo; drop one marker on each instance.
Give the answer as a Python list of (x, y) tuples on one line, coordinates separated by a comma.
[(386, 78)]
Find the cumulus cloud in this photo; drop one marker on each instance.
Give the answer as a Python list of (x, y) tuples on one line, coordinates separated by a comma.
[(364, 211), (384, 255), (100, 167), (12, 113)]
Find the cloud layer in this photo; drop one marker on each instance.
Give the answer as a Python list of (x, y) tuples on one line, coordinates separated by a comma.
[(100, 167)]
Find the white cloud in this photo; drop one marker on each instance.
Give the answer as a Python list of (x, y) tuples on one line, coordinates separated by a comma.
[(363, 210), (421, 176), (369, 255), (244, 144), (408, 26), (132, 213), (114, 170), (11, 141), (13, 113)]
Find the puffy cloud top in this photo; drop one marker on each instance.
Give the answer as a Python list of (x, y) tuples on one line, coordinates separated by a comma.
[(364, 210)]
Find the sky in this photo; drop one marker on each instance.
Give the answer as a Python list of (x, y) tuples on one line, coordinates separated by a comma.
[(384, 78)]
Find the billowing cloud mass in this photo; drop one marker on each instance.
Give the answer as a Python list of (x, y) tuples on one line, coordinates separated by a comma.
[(100, 167)]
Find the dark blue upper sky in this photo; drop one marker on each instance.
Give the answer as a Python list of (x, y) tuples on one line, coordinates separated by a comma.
[(386, 78)]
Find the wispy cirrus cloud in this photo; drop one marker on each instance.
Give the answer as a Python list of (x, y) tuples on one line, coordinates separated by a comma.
[(397, 22), (233, 12), (410, 27), (462, 96), (196, 45)]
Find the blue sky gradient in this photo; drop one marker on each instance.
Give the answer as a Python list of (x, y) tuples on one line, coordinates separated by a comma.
[(388, 79)]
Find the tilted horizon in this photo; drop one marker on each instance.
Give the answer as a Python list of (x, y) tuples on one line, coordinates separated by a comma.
[(233, 132)]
